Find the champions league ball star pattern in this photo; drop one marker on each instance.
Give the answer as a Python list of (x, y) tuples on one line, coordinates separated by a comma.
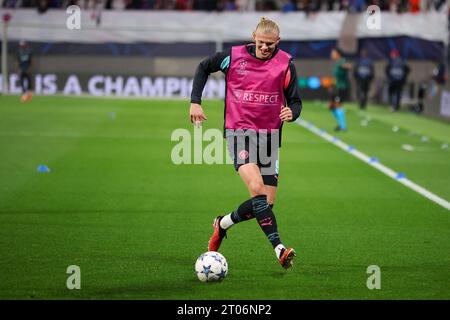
[(211, 266)]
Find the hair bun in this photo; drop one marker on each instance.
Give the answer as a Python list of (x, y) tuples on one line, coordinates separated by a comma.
[(267, 26)]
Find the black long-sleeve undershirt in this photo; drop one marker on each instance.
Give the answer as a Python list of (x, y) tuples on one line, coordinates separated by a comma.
[(213, 64)]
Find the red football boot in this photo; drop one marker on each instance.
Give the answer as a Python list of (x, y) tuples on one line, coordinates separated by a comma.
[(286, 258), (219, 233)]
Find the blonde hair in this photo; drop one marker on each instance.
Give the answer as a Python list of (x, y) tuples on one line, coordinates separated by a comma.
[(267, 26)]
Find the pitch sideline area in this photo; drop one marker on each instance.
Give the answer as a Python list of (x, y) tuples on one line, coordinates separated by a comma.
[(113, 204)]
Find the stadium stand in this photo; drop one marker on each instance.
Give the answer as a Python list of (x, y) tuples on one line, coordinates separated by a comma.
[(233, 5), (168, 44)]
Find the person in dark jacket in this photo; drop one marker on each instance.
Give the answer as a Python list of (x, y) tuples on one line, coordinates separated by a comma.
[(363, 74), (397, 72)]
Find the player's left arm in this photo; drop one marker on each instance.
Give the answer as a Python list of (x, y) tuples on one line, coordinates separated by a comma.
[(292, 96)]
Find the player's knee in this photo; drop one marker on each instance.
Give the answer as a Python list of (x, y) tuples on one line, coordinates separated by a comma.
[(256, 188)]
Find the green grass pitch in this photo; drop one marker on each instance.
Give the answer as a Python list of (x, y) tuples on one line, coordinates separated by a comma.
[(116, 206)]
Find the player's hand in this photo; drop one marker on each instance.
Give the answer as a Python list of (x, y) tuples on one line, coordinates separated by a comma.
[(197, 115), (286, 114)]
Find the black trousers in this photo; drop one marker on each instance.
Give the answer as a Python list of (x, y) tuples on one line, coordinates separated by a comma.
[(25, 81), (395, 94), (362, 93)]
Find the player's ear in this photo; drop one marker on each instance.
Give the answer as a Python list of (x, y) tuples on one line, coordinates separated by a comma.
[(253, 35)]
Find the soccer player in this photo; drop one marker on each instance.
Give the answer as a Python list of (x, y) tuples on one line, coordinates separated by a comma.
[(261, 94), (339, 92), (24, 61)]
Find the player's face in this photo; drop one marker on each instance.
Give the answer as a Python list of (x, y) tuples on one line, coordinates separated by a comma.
[(265, 44), (334, 55)]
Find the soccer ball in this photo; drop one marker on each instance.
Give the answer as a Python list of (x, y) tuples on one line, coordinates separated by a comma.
[(211, 266)]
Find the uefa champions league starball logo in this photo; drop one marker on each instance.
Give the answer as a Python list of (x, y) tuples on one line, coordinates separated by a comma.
[(242, 67)]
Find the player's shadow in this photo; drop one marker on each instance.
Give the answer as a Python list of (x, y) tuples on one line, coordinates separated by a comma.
[(281, 273), (158, 286)]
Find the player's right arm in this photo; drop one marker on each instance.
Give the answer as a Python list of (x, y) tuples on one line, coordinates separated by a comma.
[(214, 63)]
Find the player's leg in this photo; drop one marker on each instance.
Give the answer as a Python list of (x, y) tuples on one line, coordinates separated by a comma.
[(271, 193), (364, 93), (22, 79), (360, 94), (238, 144), (340, 112), (398, 96), (335, 115), (268, 162), (391, 94), (269, 166), (25, 83), (263, 213), (29, 86), (242, 149), (336, 109), (245, 210)]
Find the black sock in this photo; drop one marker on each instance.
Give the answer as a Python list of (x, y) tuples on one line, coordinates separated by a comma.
[(243, 213), (266, 219)]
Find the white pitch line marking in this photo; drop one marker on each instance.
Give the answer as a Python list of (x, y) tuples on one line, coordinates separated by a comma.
[(372, 161)]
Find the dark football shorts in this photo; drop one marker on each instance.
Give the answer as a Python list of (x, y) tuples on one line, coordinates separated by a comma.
[(259, 148), (339, 95)]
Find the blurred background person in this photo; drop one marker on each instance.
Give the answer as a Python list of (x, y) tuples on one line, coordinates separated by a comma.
[(419, 106), (24, 63), (289, 6), (438, 78), (439, 74), (246, 5), (356, 5), (339, 92), (397, 72), (414, 6), (363, 73)]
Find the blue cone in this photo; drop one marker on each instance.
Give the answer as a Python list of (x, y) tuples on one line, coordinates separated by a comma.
[(400, 175), (43, 168)]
